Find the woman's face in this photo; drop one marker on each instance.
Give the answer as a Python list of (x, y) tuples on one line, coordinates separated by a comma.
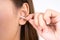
[(8, 20)]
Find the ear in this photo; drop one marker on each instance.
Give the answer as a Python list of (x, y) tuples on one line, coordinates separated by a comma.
[(24, 12)]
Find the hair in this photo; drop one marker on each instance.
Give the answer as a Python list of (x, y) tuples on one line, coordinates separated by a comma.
[(27, 31)]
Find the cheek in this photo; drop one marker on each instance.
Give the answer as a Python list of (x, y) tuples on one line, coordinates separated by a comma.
[(8, 22)]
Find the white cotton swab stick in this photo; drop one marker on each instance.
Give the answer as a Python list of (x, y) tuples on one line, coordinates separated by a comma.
[(22, 17)]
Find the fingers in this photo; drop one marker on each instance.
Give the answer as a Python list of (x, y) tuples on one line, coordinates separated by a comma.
[(48, 14), (29, 17), (42, 22), (31, 20), (38, 22), (36, 18)]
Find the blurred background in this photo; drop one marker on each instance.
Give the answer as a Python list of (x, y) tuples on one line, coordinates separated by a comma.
[(42, 5)]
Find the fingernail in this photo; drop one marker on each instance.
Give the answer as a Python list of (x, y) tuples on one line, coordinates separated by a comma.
[(47, 22)]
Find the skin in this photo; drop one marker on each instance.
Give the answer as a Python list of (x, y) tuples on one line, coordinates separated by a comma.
[(10, 22), (41, 21)]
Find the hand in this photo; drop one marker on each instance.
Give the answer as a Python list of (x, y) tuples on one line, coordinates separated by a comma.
[(47, 25)]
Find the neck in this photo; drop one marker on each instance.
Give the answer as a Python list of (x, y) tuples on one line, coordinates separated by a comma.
[(18, 34)]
